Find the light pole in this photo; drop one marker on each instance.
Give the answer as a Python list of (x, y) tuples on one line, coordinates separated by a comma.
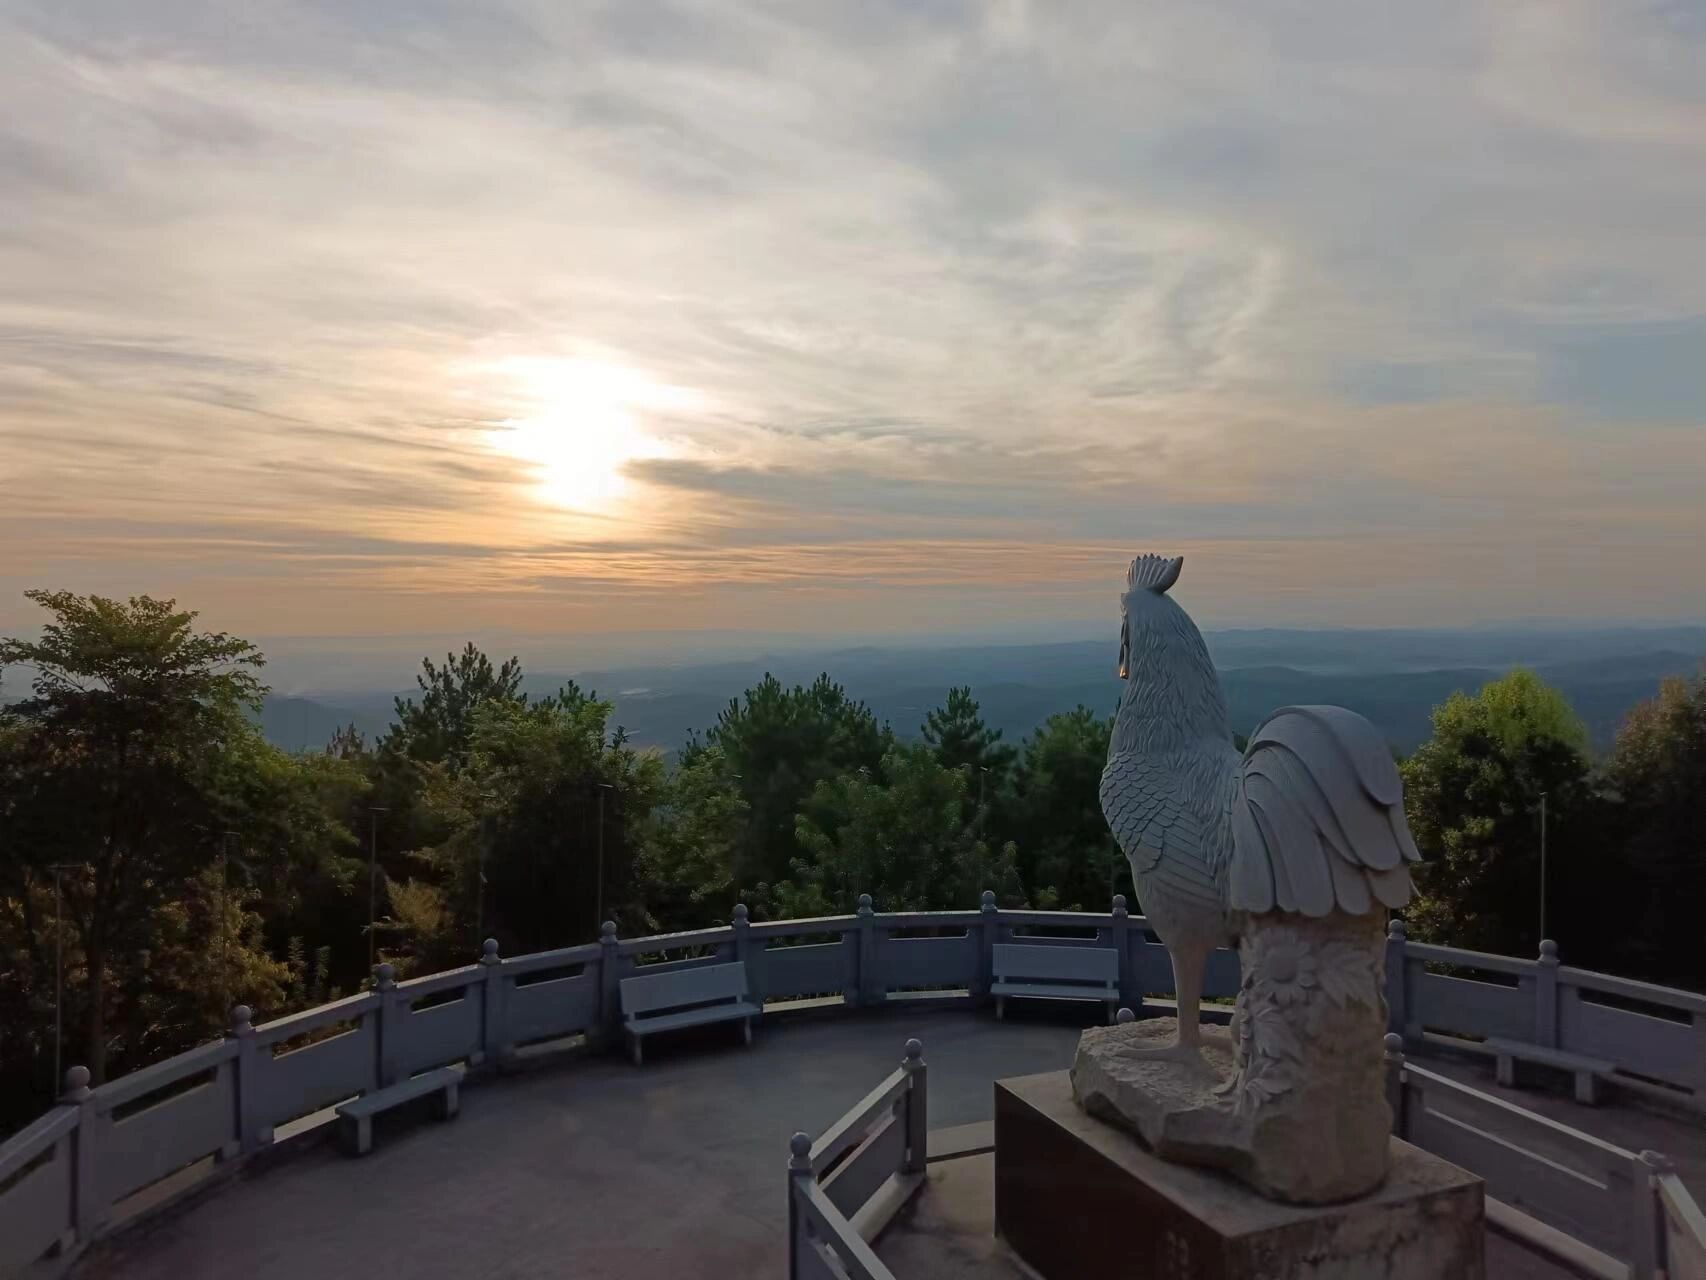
[(224, 931), (599, 913), (58, 869), (373, 812), (1543, 866)]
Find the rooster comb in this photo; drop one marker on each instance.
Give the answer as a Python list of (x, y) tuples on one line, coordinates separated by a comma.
[(1153, 573)]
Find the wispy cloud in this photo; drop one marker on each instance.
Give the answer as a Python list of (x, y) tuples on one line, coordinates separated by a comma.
[(1381, 313)]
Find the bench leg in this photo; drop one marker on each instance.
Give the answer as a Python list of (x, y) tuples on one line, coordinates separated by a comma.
[(363, 1135), (1000, 1008), (1504, 1070), (450, 1102), (746, 1028), (1587, 1088), (634, 1050)]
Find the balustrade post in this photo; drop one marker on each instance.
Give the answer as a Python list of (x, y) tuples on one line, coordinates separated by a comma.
[(1394, 1062), (1397, 979), (799, 1167), (89, 1214), (494, 1014), (989, 932), (867, 952), (1698, 1084), (1650, 1242), (745, 953), (1131, 986), (609, 990), (391, 1013), (1546, 996), (917, 1108), (250, 1125)]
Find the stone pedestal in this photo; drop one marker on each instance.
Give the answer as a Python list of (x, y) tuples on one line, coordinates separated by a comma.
[(1076, 1197)]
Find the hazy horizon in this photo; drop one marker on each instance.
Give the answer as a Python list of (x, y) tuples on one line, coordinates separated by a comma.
[(662, 317)]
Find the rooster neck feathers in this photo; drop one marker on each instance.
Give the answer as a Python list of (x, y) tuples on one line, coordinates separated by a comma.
[(1172, 700)]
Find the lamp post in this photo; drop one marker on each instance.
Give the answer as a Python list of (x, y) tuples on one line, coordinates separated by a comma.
[(1543, 866), (373, 812), (58, 869), (598, 920), (224, 930)]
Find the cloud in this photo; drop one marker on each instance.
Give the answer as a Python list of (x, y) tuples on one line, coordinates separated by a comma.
[(952, 288)]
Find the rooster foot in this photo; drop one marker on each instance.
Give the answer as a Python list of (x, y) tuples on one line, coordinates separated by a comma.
[(1175, 1052)]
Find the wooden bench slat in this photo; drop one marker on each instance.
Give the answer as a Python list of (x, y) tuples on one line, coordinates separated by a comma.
[(356, 1115), (1056, 992), (645, 992), (1020, 962), (1560, 1058), (686, 998), (693, 1017)]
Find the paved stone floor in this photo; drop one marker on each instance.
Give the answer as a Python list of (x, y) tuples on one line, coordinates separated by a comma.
[(594, 1168), (591, 1168)]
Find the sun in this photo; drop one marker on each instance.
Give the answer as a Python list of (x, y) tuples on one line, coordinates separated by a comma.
[(585, 429)]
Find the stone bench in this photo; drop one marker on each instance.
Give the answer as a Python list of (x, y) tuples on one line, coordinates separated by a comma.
[(356, 1118), (686, 998), (1587, 1071), (1055, 973)]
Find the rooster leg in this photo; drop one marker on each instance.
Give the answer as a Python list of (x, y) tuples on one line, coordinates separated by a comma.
[(1190, 959)]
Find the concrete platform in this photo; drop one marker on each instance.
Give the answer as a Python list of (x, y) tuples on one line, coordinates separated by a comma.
[(590, 1168), (594, 1168)]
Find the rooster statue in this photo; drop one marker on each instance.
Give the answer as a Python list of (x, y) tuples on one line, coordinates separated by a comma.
[(1294, 850)]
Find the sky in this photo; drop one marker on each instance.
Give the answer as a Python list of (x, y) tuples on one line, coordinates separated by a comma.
[(574, 319)]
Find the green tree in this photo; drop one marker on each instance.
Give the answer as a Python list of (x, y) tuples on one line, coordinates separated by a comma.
[(1472, 793), (687, 863), (543, 784), (1067, 857), (109, 765), (901, 836), (779, 744), (438, 728), (961, 740), (1657, 776)]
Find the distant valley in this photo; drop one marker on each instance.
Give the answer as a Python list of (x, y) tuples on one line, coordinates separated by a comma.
[(1395, 678)]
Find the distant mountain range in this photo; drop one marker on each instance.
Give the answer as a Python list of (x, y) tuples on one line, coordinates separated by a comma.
[(1395, 678)]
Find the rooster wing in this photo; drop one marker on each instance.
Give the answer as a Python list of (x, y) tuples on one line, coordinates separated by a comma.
[(1318, 818), (1168, 843)]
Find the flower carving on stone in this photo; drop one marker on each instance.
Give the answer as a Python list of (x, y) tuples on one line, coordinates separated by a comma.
[(1292, 985)]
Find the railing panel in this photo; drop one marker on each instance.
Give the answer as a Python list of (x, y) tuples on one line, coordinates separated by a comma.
[(1491, 962), (872, 1163), (1685, 1229), (802, 928), (35, 1211), (1465, 1007), (815, 969), (304, 1080), (553, 1008), (689, 940), (1566, 1179), (927, 962), (851, 1253), (440, 1034), (562, 958), (1636, 1042), (159, 1140), (628, 966)]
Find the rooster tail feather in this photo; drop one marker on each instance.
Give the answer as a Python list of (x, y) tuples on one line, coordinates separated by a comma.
[(1153, 573)]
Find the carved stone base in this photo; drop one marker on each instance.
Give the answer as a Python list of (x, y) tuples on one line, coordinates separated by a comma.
[(1075, 1197), (1186, 1111)]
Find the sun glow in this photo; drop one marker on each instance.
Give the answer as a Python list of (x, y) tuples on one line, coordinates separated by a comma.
[(586, 429)]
